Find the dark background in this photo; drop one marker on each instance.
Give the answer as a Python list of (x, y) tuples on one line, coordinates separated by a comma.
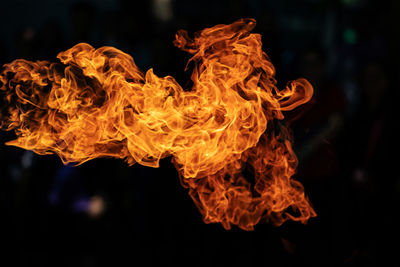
[(105, 213)]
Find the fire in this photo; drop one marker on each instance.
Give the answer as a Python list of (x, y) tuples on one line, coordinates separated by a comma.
[(225, 135)]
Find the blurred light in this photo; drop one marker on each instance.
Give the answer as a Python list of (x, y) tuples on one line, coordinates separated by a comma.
[(27, 159), (96, 206), (350, 3), (350, 36), (81, 205), (162, 10), (28, 34)]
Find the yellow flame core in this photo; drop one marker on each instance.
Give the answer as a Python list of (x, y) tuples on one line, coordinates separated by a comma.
[(97, 103)]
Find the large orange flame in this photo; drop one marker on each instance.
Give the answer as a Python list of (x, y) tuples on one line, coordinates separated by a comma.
[(97, 103)]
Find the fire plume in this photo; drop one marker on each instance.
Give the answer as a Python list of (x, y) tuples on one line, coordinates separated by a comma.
[(225, 135)]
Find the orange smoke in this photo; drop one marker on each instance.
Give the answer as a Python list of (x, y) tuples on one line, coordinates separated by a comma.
[(224, 134)]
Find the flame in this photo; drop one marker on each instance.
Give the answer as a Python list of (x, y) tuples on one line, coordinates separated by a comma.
[(225, 135)]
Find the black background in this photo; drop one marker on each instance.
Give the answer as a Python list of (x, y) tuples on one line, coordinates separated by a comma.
[(346, 141)]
